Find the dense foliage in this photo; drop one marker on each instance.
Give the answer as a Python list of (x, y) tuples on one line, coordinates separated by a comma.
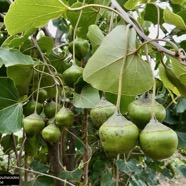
[(102, 101)]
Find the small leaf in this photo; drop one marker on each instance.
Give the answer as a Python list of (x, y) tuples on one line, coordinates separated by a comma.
[(182, 14), (173, 19), (180, 107), (7, 143), (22, 81), (26, 14), (11, 119), (88, 98), (41, 181), (166, 82), (95, 36), (46, 44), (103, 68), (131, 4), (8, 93), (151, 13), (106, 180), (88, 17), (181, 132), (10, 57)]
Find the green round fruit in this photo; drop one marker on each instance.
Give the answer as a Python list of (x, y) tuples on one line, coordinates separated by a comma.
[(33, 124), (71, 75), (158, 141), (118, 135), (29, 108), (101, 112), (43, 95), (64, 118), (50, 109), (82, 48), (140, 111), (4, 6), (51, 133)]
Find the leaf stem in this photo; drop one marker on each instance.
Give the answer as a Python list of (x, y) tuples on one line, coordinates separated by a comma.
[(122, 69), (153, 99)]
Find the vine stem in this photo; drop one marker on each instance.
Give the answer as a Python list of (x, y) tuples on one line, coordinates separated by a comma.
[(153, 99), (74, 36), (122, 69), (117, 171)]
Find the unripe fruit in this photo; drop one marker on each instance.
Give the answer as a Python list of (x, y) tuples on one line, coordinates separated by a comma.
[(29, 108), (50, 109), (82, 48), (33, 124), (72, 74), (101, 112), (64, 118), (118, 135), (51, 133), (43, 95), (140, 111), (158, 141)]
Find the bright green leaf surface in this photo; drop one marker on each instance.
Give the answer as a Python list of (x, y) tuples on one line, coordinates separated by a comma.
[(11, 119), (177, 67), (11, 57), (131, 4), (88, 98), (103, 69), (8, 93), (173, 19), (95, 36), (26, 14), (22, 81)]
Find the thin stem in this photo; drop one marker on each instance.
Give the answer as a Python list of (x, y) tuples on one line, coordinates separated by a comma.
[(122, 69), (74, 35), (43, 174), (117, 171), (151, 41), (153, 99)]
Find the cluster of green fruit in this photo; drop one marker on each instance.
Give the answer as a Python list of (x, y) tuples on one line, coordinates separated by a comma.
[(58, 117), (119, 135)]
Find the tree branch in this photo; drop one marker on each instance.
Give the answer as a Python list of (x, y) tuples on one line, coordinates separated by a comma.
[(142, 35)]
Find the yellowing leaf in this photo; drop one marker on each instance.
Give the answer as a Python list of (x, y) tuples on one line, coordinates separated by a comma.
[(103, 68), (26, 14), (173, 19)]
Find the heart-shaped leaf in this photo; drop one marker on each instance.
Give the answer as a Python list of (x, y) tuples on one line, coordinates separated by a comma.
[(103, 68), (26, 14)]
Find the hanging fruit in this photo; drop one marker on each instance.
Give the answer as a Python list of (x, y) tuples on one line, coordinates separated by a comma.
[(64, 118), (140, 111), (50, 109), (51, 133), (101, 112), (72, 74), (158, 141), (118, 135), (33, 124)]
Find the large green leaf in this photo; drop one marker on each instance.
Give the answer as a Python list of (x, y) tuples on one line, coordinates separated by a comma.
[(10, 57), (26, 14), (8, 93), (88, 17), (177, 67), (173, 19), (88, 97), (131, 4), (11, 119), (103, 68), (10, 108), (22, 76)]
